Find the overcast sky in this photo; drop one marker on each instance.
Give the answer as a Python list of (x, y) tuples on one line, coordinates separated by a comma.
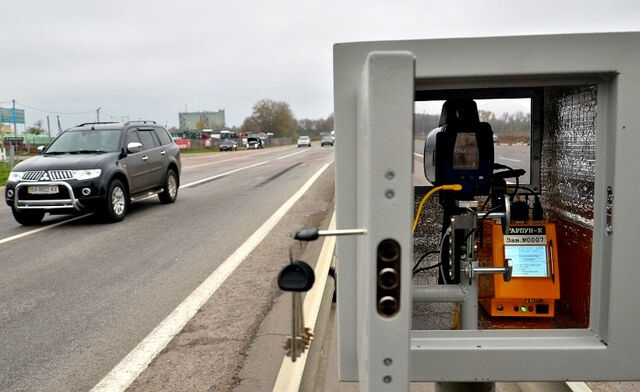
[(150, 59)]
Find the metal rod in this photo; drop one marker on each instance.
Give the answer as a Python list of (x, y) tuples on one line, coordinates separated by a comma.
[(488, 270), (441, 293), (491, 215), (338, 232), (469, 307)]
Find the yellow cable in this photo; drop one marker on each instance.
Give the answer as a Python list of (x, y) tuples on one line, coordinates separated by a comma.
[(453, 187)]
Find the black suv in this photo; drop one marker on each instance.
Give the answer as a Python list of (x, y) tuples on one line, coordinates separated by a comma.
[(96, 167)]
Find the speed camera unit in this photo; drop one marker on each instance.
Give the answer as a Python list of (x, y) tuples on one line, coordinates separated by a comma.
[(576, 292)]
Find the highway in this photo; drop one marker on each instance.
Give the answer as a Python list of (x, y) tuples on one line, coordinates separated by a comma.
[(77, 297)]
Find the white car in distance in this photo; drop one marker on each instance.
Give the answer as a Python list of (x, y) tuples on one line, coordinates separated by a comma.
[(304, 141)]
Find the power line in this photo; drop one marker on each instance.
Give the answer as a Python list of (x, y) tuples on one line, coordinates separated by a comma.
[(52, 111)]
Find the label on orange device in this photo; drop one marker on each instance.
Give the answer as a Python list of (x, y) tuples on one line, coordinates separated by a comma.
[(526, 235)]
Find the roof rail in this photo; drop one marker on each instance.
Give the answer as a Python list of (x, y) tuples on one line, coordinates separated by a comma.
[(140, 121), (95, 123)]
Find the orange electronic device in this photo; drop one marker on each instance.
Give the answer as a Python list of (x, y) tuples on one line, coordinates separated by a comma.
[(535, 283)]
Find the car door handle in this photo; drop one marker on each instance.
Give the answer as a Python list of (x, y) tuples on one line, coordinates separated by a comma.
[(163, 152), (144, 158)]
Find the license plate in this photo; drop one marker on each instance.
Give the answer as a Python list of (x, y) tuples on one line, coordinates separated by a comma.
[(42, 190)]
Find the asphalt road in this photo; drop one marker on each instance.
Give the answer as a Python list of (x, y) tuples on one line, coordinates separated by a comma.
[(76, 298)]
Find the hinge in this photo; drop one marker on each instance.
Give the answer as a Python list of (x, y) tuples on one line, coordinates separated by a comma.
[(609, 210)]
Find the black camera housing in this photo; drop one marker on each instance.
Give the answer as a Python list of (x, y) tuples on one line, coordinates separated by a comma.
[(460, 150)]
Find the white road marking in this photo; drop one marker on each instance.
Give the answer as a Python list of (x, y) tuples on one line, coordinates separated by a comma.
[(509, 159), (121, 376), (185, 167), (40, 229), (578, 386), (419, 155), (290, 155), (222, 174), (290, 374), (226, 160)]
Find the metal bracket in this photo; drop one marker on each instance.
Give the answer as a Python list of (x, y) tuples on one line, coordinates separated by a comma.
[(473, 270), (505, 217), (609, 228)]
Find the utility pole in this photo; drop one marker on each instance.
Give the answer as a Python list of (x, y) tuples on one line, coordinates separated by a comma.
[(3, 154), (48, 126), (59, 126), (98, 114), (15, 129)]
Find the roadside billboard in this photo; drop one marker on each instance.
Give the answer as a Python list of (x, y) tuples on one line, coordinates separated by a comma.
[(11, 116)]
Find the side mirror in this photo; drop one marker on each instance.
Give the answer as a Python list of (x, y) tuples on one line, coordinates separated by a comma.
[(41, 149), (134, 147)]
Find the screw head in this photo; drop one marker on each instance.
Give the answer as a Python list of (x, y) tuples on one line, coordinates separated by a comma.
[(389, 194), (386, 379)]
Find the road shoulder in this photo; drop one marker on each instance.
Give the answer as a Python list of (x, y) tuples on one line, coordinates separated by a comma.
[(212, 350)]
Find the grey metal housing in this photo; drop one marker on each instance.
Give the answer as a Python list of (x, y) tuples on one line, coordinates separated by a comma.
[(606, 350)]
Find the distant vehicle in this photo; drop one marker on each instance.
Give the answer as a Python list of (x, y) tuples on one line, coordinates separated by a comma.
[(304, 141), (228, 135), (100, 167), (326, 141), (228, 145), (254, 143), (495, 139)]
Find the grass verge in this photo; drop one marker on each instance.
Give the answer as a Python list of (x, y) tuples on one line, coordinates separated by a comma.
[(4, 173), (198, 150)]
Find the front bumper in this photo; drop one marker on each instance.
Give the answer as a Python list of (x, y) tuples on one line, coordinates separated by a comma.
[(68, 200), (46, 204)]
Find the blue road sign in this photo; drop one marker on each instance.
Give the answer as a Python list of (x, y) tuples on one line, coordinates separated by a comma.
[(11, 116)]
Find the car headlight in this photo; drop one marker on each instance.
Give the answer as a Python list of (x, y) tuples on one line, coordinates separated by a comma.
[(15, 176), (86, 174)]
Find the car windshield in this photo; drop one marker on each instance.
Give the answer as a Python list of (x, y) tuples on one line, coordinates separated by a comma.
[(86, 142), (304, 138)]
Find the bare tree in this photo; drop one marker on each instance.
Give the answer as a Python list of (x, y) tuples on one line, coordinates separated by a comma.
[(36, 128), (270, 116)]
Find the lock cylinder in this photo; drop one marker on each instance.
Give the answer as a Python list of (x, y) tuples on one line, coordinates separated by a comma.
[(388, 278)]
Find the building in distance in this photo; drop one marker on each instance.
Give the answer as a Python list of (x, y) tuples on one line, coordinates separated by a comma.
[(197, 121)]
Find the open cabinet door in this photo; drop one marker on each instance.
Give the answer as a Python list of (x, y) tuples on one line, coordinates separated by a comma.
[(384, 156)]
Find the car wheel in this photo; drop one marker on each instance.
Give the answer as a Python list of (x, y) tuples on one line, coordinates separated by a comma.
[(117, 202), (27, 218), (171, 184)]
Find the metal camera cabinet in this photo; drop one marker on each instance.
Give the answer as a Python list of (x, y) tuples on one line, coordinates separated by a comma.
[(585, 94)]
